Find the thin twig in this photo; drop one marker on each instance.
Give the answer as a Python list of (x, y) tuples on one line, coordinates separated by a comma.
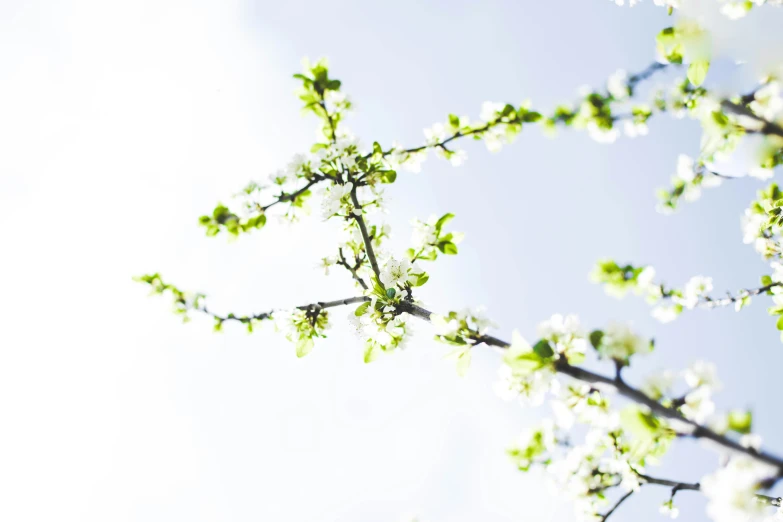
[(616, 505), (352, 269), (320, 305)]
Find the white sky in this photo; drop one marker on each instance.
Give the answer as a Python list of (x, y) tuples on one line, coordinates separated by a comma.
[(122, 123)]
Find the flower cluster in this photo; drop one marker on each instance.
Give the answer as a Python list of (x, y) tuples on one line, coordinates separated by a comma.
[(301, 326), (670, 302), (428, 238), (731, 9), (528, 372), (687, 183), (381, 329), (731, 489), (619, 280), (618, 342), (182, 302), (614, 453)]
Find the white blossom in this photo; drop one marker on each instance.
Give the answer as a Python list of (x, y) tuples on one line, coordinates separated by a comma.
[(761, 173), (751, 223), (602, 135), (478, 317), (659, 385), (494, 138), (490, 110), (618, 84), (731, 489), (297, 164), (444, 326), (734, 10), (633, 129), (530, 389), (333, 199), (644, 281), (702, 373), (695, 288), (435, 134), (620, 342), (768, 102), (668, 509), (558, 326), (424, 234), (686, 168), (566, 334), (751, 441), (665, 313), (458, 157), (698, 405), (325, 263), (395, 272), (629, 480)]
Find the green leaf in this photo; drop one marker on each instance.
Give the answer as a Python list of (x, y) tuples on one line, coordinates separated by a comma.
[(388, 176), (376, 148), (361, 309), (524, 362), (543, 349), (642, 425), (421, 279), (595, 338), (740, 421), (445, 218), (766, 280), (780, 323), (304, 346), (531, 117), (463, 362), (720, 118), (391, 292), (697, 72), (371, 353), (447, 247)]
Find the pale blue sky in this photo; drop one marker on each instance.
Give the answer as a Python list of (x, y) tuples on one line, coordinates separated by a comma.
[(124, 123)]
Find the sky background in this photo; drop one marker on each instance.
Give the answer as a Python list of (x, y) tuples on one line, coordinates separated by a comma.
[(122, 122)]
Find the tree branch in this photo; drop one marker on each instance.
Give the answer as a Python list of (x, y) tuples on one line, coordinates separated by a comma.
[(633, 81), (352, 269), (725, 301), (282, 198), (616, 505), (688, 486), (709, 302), (365, 236), (627, 391), (320, 305), (765, 127)]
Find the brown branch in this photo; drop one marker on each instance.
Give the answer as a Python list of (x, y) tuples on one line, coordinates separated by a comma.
[(766, 127), (282, 198), (627, 391), (320, 305), (688, 486), (365, 235), (352, 269), (616, 505), (709, 302)]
